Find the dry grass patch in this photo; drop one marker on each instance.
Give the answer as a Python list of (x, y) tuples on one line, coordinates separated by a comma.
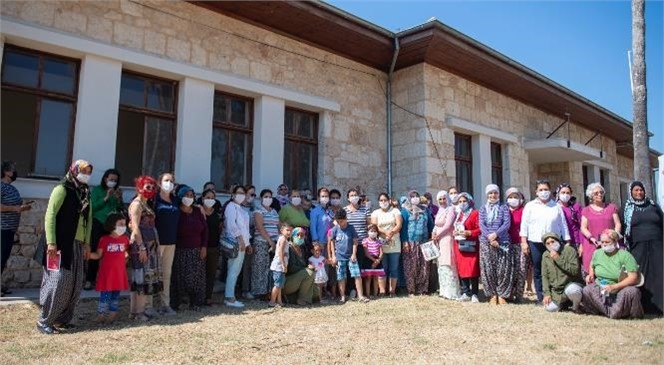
[(413, 330)]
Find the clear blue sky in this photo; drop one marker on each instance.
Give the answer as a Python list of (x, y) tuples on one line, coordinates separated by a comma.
[(580, 45)]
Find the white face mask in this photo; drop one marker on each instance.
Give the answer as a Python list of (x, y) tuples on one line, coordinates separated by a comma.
[(120, 230), (324, 200), (544, 194), (384, 205), (187, 201), (513, 202), (354, 199), (167, 186), (83, 178), (239, 198), (111, 184), (463, 207), (267, 202), (564, 197), (609, 248), (296, 201), (555, 246), (452, 197), (373, 234), (415, 200), (335, 202), (209, 202)]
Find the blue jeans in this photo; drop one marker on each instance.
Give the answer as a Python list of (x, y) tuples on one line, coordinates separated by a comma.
[(391, 264), (537, 249), (109, 301), (234, 268)]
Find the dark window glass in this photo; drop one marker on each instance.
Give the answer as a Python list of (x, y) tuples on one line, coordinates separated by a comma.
[(497, 164), (59, 76), (160, 96), (132, 90), (464, 162), (586, 182), (20, 69), (54, 125), (147, 93), (301, 149)]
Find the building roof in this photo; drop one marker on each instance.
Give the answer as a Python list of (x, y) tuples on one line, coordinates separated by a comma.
[(327, 27)]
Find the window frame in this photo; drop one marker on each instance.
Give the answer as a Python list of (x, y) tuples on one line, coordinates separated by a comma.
[(464, 160), (309, 141), (41, 94), (497, 165), (249, 130)]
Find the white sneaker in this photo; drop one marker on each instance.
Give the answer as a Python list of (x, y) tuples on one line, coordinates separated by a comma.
[(234, 304), (353, 294), (168, 311), (248, 296), (464, 298), (474, 299)]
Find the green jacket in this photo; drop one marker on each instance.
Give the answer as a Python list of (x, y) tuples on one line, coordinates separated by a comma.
[(556, 274)]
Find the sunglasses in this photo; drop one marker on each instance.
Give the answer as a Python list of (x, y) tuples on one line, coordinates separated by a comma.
[(148, 187)]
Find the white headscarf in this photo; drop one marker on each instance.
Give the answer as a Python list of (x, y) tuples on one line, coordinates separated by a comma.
[(491, 208)]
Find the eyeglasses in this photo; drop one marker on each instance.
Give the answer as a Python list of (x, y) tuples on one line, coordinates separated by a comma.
[(598, 193), (148, 187)]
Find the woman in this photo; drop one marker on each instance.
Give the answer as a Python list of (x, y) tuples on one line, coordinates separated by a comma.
[(612, 274), (453, 194), (388, 220), (265, 241), (144, 248), (11, 207), (212, 211), (595, 218), (167, 209), (497, 254), (236, 230), (293, 213), (466, 234), (561, 275), (572, 210), (540, 216), (522, 264), (321, 219), (249, 207), (358, 217), (643, 236), (299, 287), (416, 268), (448, 279), (68, 228), (106, 198), (190, 252)]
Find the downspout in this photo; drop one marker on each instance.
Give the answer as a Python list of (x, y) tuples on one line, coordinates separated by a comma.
[(388, 106)]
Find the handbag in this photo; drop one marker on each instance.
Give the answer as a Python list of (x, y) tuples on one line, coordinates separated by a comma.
[(430, 251), (229, 247), (467, 246)]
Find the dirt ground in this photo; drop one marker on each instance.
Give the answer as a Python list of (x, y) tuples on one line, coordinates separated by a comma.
[(418, 330)]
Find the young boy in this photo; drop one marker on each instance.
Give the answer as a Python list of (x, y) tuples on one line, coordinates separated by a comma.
[(343, 250)]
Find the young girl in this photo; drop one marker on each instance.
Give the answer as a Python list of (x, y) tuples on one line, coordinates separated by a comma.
[(318, 262), (112, 277), (373, 249), (279, 265)]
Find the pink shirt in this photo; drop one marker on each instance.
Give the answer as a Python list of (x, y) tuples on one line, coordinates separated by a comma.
[(597, 222)]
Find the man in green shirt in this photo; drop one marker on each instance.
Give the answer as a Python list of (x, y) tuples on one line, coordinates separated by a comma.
[(561, 275)]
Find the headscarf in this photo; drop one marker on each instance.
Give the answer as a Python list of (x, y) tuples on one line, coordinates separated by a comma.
[(560, 187), (443, 209), (492, 208), (514, 190), (183, 190), (634, 205), (82, 190), (413, 209), (471, 203)]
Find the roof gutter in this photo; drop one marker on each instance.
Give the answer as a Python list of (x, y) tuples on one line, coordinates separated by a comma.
[(388, 107)]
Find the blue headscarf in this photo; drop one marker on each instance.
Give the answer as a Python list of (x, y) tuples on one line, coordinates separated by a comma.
[(632, 205)]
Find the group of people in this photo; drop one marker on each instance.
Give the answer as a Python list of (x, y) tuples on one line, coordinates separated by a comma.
[(280, 247)]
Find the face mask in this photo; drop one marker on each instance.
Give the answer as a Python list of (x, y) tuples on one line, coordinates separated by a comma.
[(296, 201), (453, 197), (298, 241), (335, 202), (373, 234), (564, 197), (239, 198), (324, 200), (209, 202), (384, 205), (544, 194), (415, 200), (83, 178), (609, 248), (167, 186), (149, 194), (555, 246), (120, 230), (111, 184), (463, 207), (513, 202), (354, 199), (267, 201), (187, 201)]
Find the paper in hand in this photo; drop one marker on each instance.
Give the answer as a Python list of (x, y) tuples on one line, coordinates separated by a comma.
[(53, 262)]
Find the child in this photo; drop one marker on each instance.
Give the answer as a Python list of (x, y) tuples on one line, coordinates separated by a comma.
[(373, 249), (279, 265), (318, 262), (112, 277), (343, 249)]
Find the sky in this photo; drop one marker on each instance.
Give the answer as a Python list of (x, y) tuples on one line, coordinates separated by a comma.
[(581, 45)]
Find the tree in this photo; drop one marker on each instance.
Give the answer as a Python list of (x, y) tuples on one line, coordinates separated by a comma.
[(642, 170)]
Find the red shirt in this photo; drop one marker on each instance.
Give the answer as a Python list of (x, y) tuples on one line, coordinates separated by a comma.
[(515, 228), (112, 274)]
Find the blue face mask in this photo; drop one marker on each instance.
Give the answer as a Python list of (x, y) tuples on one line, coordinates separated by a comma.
[(298, 241)]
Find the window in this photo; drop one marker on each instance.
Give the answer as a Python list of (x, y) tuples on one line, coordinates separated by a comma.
[(300, 149), (464, 162), (624, 191), (585, 184), (497, 164), (145, 143), (39, 93), (232, 141), (604, 180)]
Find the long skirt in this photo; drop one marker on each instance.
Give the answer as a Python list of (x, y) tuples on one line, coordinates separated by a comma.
[(416, 270), (626, 304), (498, 269), (61, 290), (260, 270), (448, 281), (211, 267), (146, 276), (188, 277), (648, 255), (523, 264)]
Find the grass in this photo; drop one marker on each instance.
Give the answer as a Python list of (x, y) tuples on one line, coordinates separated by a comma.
[(413, 330)]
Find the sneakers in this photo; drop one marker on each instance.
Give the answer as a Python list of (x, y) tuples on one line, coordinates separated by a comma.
[(248, 296), (353, 294), (168, 311), (464, 298), (233, 304), (474, 299), (46, 329)]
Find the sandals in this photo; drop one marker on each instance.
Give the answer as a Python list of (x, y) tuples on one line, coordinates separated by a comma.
[(364, 300), (342, 300), (46, 329)]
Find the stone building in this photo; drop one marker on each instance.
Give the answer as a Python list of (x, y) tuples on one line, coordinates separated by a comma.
[(271, 92)]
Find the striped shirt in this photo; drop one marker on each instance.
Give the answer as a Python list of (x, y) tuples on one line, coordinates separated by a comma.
[(270, 221), (10, 196), (358, 219)]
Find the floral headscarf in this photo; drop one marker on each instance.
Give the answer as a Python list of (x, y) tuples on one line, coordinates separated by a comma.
[(82, 190), (634, 205)]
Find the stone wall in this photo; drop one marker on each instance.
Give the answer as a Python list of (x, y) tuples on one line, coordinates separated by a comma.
[(22, 270)]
